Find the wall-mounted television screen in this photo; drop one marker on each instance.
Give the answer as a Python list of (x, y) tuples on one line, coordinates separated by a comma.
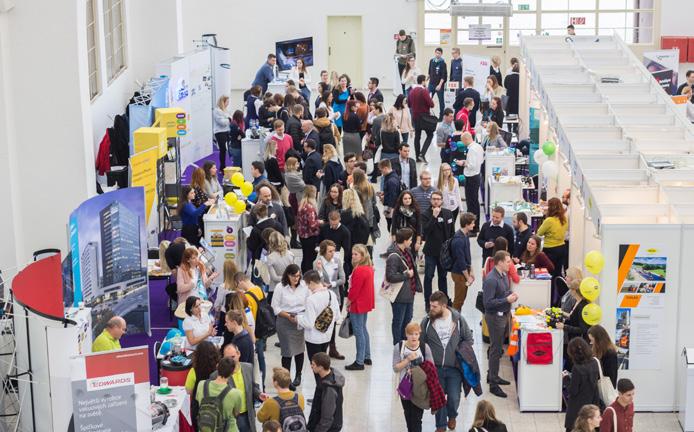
[(288, 51)]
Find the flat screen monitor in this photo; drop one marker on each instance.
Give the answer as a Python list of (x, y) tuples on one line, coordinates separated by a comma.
[(288, 51)]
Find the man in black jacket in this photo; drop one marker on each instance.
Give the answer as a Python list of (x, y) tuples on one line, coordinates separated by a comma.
[(438, 226), (268, 195), (391, 189), (493, 229), (312, 164), (262, 220), (405, 164), (468, 92), (350, 160), (293, 128), (523, 233), (375, 94), (326, 409), (338, 233)]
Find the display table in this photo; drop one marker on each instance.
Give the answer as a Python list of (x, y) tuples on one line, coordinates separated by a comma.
[(534, 293), (224, 237), (179, 418), (539, 386), (251, 150), (504, 188)]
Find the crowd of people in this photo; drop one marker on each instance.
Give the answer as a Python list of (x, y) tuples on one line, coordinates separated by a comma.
[(332, 167)]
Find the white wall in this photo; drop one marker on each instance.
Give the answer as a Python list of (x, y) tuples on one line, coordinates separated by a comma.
[(251, 32), (675, 18)]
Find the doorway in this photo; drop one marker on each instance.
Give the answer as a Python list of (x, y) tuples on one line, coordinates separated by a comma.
[(345, 48)]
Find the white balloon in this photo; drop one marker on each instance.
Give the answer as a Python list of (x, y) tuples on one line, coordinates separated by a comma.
[(549, 168), (540, 157)]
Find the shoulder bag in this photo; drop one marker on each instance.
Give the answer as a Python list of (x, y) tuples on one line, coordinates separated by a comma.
[(608, 394), (390, 290)]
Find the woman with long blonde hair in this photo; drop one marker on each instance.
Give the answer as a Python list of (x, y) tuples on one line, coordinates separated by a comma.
[(272, 166), (493, 138), (239, 302), (222, 131), (353, 217), (361, 301), (332, 167), (588, 419), (365, 190), (308, 227), (485, 418), (448, 185), (162, 256), (227, 287), (278, 258)]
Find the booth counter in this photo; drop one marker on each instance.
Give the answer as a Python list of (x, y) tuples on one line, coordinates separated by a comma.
[(224, 236), (534, 293), (178, 403)]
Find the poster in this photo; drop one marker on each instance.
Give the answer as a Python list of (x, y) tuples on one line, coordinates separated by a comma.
[(445, 36), (110, 391), (109, 258), (641, 290), (143, 172), (478, 68), (663, 65), (481, 32)]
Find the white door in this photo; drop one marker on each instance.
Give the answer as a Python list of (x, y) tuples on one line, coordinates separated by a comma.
[(345, 48)]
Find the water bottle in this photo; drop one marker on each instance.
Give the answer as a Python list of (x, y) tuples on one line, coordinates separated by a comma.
[(532, 271)]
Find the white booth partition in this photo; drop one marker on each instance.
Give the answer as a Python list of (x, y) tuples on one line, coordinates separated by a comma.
[(631, 177), (610, 162), (611, 147), (656, 146), (645, 110)]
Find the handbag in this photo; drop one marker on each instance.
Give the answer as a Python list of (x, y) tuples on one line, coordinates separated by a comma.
[(428, 122), (605, 388), (479, 302), (405, 387), (346, 331), (260, 271), (390, 290), (325, 317)]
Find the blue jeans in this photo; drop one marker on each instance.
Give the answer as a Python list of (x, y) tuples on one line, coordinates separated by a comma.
[(260, 350), (361, 334), (431, 264), (451, 380), (402, 315), (235, 155), (432, 91)]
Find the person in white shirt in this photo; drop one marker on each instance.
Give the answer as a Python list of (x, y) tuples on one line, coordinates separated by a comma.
[(317, 332), (288, 301), (301, 76), (332, 272), (410, 74), (472, 168), (197, 326)]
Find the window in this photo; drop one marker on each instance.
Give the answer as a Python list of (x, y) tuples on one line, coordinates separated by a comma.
[(114, 34), (92, 52), (496, 23)]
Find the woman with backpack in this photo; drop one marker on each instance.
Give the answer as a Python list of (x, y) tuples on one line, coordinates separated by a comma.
[(205, 359), (288, 301), (409, 354)]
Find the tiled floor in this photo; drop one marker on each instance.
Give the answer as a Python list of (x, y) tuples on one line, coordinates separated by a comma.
[(371, 404)]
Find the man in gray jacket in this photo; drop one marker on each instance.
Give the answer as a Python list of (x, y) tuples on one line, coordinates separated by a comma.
[(497, 295), (442, 331)]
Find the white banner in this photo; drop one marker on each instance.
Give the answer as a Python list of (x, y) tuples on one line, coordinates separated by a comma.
[(663, 65), (478, 68), (480, 32)]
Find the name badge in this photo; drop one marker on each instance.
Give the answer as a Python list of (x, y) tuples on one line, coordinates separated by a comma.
[(500, 314)]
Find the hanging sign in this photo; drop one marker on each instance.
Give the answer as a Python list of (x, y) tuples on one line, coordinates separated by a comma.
[(578, 20), (480, 32)]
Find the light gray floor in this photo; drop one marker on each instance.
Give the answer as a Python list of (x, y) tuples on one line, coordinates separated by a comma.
[(371, 404)]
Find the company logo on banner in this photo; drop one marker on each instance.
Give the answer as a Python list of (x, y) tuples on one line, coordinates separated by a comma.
[(663, 65), (112, 381), (478, 68)]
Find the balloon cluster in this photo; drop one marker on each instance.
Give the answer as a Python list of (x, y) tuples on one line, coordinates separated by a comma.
[(590, 287), (232, 199), (541, 157)]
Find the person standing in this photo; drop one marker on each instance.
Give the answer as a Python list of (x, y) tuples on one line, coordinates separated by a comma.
[(473, 174), (450, 189), (319, 318), (409, 75), (605, 351), (326, 409), (284, 142), (294, 128), (401, 269), (420, 103), (621, 410), (496, 227), (341, 93), (512, 86), (389, 137), (287, 400), (405, 167), (266, 73), (422, 193), (288, 301), (409, 354), (571, 30), (408, 215), (219, 388), (443, 330), (109, 339), (495, 68), (438, 226), (588, 419), (438, 75), (333, 276), (461, 272), (391, 190), (403, 121), (468, 91), (302, 77), (553, 229), (498, 298), (582, 388), (522, 234), (334, 230), (444, 131), (253, 104), (456, 67), (360, 301), (375, 93), (222, 119), (308, 227), (242, 339), (404, 49)]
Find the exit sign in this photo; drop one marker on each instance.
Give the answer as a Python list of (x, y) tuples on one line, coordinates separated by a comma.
[(523, 7), (578, 20)]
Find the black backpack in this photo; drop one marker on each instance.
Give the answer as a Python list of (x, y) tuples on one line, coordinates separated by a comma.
[(265, 318), (446, 258), (211, 411)]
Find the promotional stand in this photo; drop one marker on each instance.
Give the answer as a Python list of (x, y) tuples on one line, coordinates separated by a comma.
[(224, 236)]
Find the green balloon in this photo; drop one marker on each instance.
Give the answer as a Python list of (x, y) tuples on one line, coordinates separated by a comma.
[(461, 146), (549, 148), (461, 178)]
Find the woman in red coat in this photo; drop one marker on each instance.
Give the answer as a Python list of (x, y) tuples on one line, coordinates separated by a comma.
[(360, 301)]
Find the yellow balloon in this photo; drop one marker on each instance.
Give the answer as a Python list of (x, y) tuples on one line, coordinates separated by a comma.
[(247, 188), (240, 206), (237, 179), (590, 288), (230, 198), (594, 261), (592, 314)]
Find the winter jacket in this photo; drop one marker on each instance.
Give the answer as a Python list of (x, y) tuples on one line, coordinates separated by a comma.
[(326, 410), (358, 226), (582, 390), (325, 133), (512, 85), (103, 163), (390, 141), (293, 129), (420, 389), (361, 292), (401, 220), (445, 356), (395, 273), (331, 173), (437, 397), (466, 352), (391, 189)]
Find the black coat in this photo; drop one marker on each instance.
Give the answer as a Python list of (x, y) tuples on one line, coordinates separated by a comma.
[(357, 226), (609, 365), (401, 221), (391, 189), (582, 390), (461, 96), (340, 236), (311, 166), (273, 172), (293, 128), (436, 230), (255, 241), (575, 326), (331, 171), (390, 141), (376, 97), (489, 233), (395, 163), (511, 83), (497, 74)]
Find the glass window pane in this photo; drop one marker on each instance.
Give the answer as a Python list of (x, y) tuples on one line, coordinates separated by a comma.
[(514, 35), (585, 31), (581, 4), (496, 22), (431, 37), (612, 20), (436, 5), (523, 21), (464, 22), (611, 31), (612, 4), (643, 19), (555, 20), (521, 5), (437, 21), (464, 38), (555, 5)]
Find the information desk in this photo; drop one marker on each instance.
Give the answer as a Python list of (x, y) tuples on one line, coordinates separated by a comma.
[(223, 234), (534, 293), (179, 414), (539, 386)]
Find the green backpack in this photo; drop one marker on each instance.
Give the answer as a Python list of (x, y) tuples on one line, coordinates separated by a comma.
[(211, 412)]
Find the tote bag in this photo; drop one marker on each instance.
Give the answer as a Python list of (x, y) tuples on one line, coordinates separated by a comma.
[(539, 348), (607, 391), (390, 290), (346, 330)]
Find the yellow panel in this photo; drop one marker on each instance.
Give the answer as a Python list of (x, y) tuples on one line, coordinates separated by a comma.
[(173, 119), (147, 137)]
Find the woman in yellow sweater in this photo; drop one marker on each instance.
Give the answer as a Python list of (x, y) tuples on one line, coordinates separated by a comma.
[(553, 229)]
